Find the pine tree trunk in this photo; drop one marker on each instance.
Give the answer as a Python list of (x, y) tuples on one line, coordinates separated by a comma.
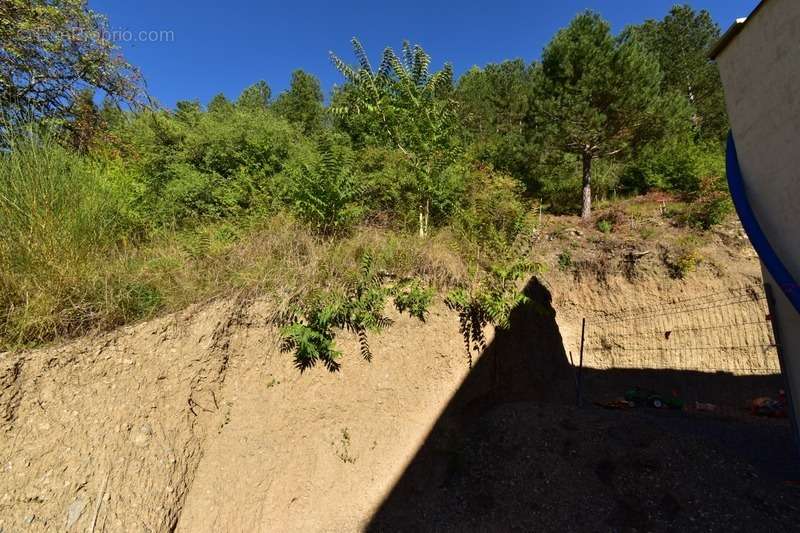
[(586, 208)]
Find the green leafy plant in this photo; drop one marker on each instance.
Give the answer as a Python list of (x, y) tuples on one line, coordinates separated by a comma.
[(605, 226), (413, 298), (403, 105), (489, 301), (564, 260), (682, 258), (327, 195), (493, 213), (309, 327), (709, 206)]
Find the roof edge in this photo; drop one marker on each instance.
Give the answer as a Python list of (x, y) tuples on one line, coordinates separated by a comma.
[(732, 32)]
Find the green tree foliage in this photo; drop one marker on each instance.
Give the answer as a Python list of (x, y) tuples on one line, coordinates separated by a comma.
[(256, 97), (327, 194), (188, 111), (595, 93), (87, 122), (404, 105), (494, 106), (681, 42), (302, 103), (492, 214), (220, 104), (51, 51), (194, 164)]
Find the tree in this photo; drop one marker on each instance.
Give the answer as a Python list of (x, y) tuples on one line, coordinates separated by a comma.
[(87, 122), (494, 106), (327, 194), (405, 106), (681, 42), (255, 97), (302, 103), (494, 99), (188, 111), (594, 93), (51, 51), (220, 104)]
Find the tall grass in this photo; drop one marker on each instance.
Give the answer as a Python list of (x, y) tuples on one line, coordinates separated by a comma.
[(60, 219)]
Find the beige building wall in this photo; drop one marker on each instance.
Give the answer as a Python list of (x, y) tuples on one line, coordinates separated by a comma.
[(760, 70)]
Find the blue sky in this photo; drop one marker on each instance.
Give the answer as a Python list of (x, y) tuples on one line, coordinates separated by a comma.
[(226, 46)]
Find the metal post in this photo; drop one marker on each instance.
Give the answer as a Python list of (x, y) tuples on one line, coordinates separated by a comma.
[(580, 364), (575, 377)]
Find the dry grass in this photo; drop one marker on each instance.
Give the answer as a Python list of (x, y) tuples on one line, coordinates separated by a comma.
[(275, 256)]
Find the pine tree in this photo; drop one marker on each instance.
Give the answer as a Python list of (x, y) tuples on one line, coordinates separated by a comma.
[(594, 93)]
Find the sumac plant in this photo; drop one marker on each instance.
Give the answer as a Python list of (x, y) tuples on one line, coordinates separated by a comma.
[(309, 327), (490, 300)]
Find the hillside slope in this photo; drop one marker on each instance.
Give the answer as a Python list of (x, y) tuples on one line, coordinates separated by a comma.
[(197, 422)]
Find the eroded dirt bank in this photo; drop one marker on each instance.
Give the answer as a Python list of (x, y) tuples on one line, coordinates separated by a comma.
[(196, 422)]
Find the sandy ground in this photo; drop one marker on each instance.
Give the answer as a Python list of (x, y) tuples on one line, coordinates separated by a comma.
[(318, 452)]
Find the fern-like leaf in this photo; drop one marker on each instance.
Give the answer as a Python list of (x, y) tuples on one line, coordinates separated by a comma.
[(361, 55), (343, 68)]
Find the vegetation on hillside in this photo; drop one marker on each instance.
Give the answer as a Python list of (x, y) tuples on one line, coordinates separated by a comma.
[(110, 213)]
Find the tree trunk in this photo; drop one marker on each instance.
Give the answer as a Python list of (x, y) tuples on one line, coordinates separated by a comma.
[(586, 208), (424, 215)]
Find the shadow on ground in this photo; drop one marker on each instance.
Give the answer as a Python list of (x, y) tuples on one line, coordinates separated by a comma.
[(512, 452)]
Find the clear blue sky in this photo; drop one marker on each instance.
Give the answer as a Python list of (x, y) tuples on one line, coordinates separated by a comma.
[(223, 46)]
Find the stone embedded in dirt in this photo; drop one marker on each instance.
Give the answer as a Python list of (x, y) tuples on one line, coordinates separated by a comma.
[(75, 511), (141, 436)]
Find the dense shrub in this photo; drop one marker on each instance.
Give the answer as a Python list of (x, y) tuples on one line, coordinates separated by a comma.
[(708, 206), (326, 193), (388, 181), (196, 164), (677, 164), (492, 213)]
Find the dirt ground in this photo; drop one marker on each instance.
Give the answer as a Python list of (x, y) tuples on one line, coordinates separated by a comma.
[(196, 422), (533, 467)]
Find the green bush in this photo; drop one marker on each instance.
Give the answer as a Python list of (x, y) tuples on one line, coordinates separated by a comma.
[(678, 164), (564, 260), (194, 164), (326, 193), (683, 257), (709, 206), (412, 297), (605, 225), (389, 187), (492, 212)]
